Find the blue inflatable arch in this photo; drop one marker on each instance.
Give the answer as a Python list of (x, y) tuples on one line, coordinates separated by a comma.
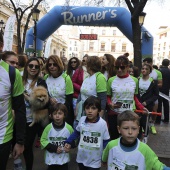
[(86, 16)]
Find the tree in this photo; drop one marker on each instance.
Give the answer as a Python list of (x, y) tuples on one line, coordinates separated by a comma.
[(19, 12), (136, 7)]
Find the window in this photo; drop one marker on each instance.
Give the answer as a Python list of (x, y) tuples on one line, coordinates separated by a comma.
[(123, 47), (91, 46), (113, 47), (103, 32), (75, 43), (114, 32), (163, 54), (70, 49), (102, 47)]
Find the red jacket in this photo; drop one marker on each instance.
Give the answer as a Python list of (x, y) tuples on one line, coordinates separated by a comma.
[(77, 80)]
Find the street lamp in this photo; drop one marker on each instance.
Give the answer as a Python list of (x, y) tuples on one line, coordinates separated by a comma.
[(142, 18), (2, 26), (35, 17)]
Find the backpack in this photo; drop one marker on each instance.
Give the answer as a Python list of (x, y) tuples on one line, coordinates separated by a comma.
[(12, 76)]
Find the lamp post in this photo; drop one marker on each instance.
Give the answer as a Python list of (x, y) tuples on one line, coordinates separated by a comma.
[(141, 21), (2, 26), (35, 17)]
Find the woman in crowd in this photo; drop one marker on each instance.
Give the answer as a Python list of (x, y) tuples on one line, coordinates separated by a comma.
[(134, 71), (42, 63), (11, 58), (121, 94), (30, 80), (108, 68), (22, 58), (79, 75), (59, 85), (148, 93), (73, 64), (93, 85)]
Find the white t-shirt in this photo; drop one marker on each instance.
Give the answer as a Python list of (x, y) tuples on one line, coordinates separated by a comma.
[(92, 85), (59, 87), (28, 107), (123, 90), (91, 142), (56, 137), (143, 86)]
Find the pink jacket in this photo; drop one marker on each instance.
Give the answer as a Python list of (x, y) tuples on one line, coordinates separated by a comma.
[(77, 80)]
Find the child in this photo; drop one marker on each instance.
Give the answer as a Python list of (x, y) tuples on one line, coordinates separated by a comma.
[(54, 137), (148, 93), (94, 136), (127, 152)]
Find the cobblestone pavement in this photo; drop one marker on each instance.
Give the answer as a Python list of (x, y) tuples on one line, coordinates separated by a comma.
[(160, 143)]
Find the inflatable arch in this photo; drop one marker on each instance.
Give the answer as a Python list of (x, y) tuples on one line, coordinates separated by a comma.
[(87, 16)]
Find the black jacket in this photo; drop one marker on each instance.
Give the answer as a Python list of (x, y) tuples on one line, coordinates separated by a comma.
[(151, 95), (165, 78)]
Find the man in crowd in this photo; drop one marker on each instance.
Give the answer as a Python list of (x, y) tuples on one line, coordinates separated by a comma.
[(11, 98)]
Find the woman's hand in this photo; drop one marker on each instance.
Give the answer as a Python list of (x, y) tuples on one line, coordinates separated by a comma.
[(26, 96), (53, 101)]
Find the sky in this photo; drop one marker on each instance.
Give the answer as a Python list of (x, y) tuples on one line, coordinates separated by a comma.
[(157, 15)]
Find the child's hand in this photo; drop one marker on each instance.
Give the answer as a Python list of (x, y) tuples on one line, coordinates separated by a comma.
[(59, 149), (104, 163), (67, 147)]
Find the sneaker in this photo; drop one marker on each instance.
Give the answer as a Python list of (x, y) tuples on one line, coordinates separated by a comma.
[(37, 144), (153, 130)]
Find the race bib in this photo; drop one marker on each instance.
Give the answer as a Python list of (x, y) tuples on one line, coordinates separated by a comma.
[(119, 165), (90, 139), (126, 105)]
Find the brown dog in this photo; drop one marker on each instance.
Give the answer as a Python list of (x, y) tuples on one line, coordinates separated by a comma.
[(38, 100)]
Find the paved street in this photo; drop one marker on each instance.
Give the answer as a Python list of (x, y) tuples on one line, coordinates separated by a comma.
[(160, 143)]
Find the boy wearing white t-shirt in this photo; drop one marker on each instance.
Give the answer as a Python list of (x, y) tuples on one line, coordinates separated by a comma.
[(94, 136), (127, 152), (53, 139)]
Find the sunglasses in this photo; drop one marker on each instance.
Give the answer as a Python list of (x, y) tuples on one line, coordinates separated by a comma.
[(52, 64), (31, 66), (12, 62), (73, 62), (121, 67), (83, 60)]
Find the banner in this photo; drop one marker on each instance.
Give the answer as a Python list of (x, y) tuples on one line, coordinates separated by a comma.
[(47, 48), (8, 33)]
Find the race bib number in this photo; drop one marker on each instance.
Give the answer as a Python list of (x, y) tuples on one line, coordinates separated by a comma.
[(90, 139), (127, 105), (58, 141)]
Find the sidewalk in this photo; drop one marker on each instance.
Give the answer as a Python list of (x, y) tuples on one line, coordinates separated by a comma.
[(160, 142)]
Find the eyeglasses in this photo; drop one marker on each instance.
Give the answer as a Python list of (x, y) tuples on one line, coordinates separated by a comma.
[(12, 62), (73, 62), (83, 60), (52, 64), (31, 66), (121, 67)]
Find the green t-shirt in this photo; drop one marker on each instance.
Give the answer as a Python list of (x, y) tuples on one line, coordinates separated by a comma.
[(6, 117)]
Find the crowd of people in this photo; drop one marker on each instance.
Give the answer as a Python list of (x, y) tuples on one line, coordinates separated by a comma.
[(91, 105)]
